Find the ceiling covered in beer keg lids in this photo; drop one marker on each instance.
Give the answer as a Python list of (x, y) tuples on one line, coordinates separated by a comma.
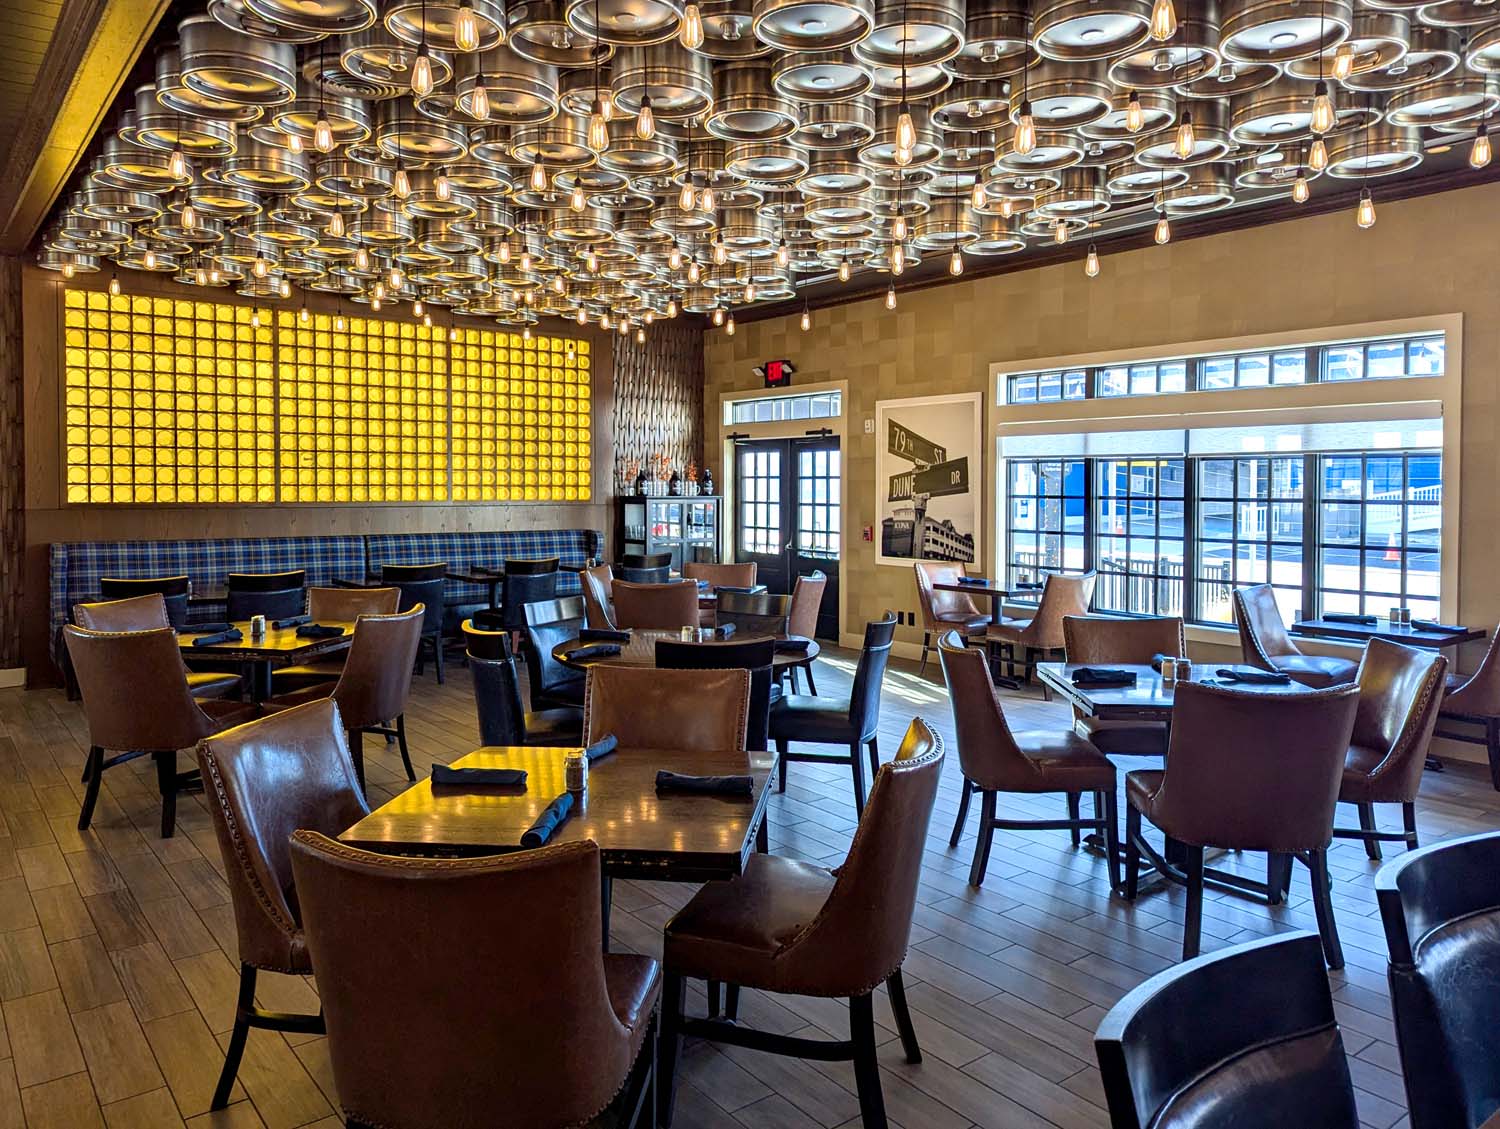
[(624, 160)]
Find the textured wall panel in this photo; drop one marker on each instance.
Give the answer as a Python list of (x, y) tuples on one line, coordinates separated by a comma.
[(658, 399), (12, 472)]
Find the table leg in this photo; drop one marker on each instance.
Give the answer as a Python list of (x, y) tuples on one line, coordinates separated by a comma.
[(606, 898), (763, 835), (260, 680)]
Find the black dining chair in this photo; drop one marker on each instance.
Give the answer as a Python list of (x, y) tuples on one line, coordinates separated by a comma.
[(1441, 909), (526, 582), (548, 623), (428, 593), (397, 573), (850, 722), (754, 655), (275, 595), (1245, 1037), (644, 568), (760, 613), (503, 719), (173, 590)]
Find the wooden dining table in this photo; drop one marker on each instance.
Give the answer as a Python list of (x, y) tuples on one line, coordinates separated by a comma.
[(640, 650), (1383, 628), (278, 647), (989, 590)]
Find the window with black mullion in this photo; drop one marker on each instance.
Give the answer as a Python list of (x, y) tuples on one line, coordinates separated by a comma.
[(1139, 534), (1046, 505), (1249, 522)]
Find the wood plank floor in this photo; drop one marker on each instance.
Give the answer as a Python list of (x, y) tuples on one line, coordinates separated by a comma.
[(117, 949)]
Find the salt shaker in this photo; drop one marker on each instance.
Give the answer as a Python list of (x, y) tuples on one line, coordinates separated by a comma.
[(1168, 669), (1184, 670), (576, 772), (688, 634), (257, 627)]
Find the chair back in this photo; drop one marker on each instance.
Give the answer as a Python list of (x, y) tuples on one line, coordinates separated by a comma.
[(1245, 1037), (1254, 770), (598, 609), (135, 690), (1062, 596), (807, 601), (1103, 639), (754, 655), (548, 623), (987, 752), (172, 589), (1263, 634), (1400, 694), (376, 680), (427, 593), (345, 605), (497, 687), (665, 606), (933, 603), (739, 575), (265, 581), (860, 936), (645, 568), (525, 583), (645, 708), (533, 995), (762, 613), (264, 780), (135, 613), (393, 573), (1479, 694), (1441, 909), (864, 695), (278, 604)]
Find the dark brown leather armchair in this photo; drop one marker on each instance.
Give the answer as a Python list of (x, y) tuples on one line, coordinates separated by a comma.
[(995, 760), (149, 613), (374, 685), (944, 611), (1475, 700), (1264, 642), (645, 708), (1100, 640), (136, 700), (262, 782), (791, 927), (807, 601), (1252, 771), (503, 719), (738, 575), (537, 1027), (598, 605), (661, 606), (1028, 641), (334, 605), (1400, 694)]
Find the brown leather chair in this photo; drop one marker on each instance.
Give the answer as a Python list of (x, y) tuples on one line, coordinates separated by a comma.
[(1251, 771), (807, 601), (334, 605), (1100, 640), (262, 782), (792, 927), (1028, 641), (1476, 701), (374, 685), (1400, 694), (1264, 642), (598, 610), (662, 606), (944, 611), (136, 701), (995, 760), (149, 613), (739, 575), (646, 708), (505, 1007)]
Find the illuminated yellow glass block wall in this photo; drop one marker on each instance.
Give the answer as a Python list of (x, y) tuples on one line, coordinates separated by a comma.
[(166, 400), (521, 417), (170, 400)]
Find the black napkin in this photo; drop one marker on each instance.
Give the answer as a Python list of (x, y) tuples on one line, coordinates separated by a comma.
[(747, 589), (318, 631), (1348, 617), (1029, 585), (978, 581), (601, 748), (291, 621), (553, 816), (740, 786), (489, 570), (795, 644), (604, 635), (595, 651), (1253, 676), (447, 776), (209, 628), (1434, 625), (233, 635), (1103, 676)]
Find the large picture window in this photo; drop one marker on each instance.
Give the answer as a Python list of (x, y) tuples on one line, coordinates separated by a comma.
[(1249, 523), (1139, 535), (1045, 517), (1378, 535)]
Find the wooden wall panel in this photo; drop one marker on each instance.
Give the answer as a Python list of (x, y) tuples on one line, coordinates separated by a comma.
[(658, 399), (12, 470)]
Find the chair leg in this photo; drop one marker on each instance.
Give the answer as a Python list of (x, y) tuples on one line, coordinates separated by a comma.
[(986, 836), (1278, 877), (715, 991), (1367, 823), (1492, 747), (781, 750), (731, 1001), (857, 768), (1073, 814), (791, 675), (1192, 927), (866, 1067), (1132, 851), (437, 656), (236, 1049), (965, 790), (357, 755), (93, 773), (812, 688), (897, 989), (166, 783), (926, 647), (1409, 822), (1111, 834), (669, 1047), (1322, 894), (405, 752), (874, 758)]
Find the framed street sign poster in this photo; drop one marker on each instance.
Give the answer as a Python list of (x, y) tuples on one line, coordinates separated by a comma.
[(929, 478)]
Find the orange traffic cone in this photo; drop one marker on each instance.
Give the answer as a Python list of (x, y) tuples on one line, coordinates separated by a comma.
[(1392, 553)]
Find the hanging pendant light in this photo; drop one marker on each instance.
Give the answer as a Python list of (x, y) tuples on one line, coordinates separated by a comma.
[(479, 100), (718, 316), (338, 322), (302, 314), (1300, 191), (783, 254), (695, 272), (898, 258), (148, 260), (956, 262), (401, 183), (749, 292), (558, 285), (177, 167), (396, 278), (591, 260), (254, 319), (645, 120), (361, 259), (598, 138), (1025, 140), (1323, 117), (323, 134), (1343, 61), (890, 297), (260, 268), (1060, 231), (687, 197), (189, 217), (844, 270), (1135, 117), (417, 308), (114, 286), (1163, 20), (707, 201), (977, 195), (294, 143), (1163, 233), (671, 307), (721, 252), (806, 316), (1091, 263), (336, 227), (504, 253), (375, 303), (1317, 155), (1481, 153), (1186, 141), (690, 31), (577, 200), (466, 28), (442, 187), (1364, 215), (525, 259), (69, 270), (538, 179), (898, 227), (284, 288), (421, 66), (729, 324), (1007, 207)]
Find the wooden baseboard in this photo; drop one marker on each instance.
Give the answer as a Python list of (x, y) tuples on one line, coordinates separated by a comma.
[(14, 676)]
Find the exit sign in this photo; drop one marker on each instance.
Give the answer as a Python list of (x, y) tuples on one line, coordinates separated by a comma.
[(777, 374)]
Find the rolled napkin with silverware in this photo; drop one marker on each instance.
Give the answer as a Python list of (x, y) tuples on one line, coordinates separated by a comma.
[(233, 635), (977, 581), (1434, 625), (208, 628), (595, 651), (318, 631), (676, 782), (1029, 586), (1103, 676), (446, 776), (1349, 617), (1253, 676), (601, 748), (746, 589), (603, 635), (291, 621), (553, 816), (795, 644)]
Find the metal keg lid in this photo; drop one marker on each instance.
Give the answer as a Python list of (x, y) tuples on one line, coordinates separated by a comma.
[(320, 17), (729, 32), (836, 125), (1063, 95), (230, 67), (913, 33), (1279, 31), (434, 22), (520, 91), (813, 25), (1453, 98), (1158, 111), (1378, 40), (970, 104), (1230, 78), (1382, 150), (1208, 188), (820, 76), (625, 23), (1432, 53), (679, 83), (997, 40), (1087, 30)]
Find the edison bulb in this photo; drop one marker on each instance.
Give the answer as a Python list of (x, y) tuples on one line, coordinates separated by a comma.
[(645, 120), (1163, 20), (479, 101), (718, 318), (591, 260), (1060, 232), (302, 315), (1343, 61), (421, 75), (671, 307), (640, 336), (898, 227), (749, 292), (361, 259), (1364, 215), (417, 308), (1135, 117), (254, 319), (339, 323), (1481, 153), (336, 225), (68, 269), (261, 268), (1300, 191), (215, 276), (1317, 155), (1091, 263), (1025, 139), (1163, 230), (1007, 207), (396, 278), (323, 135), (466, 28), (806, 319), (526, 334), (690, 31), (558, 285), (956, 262), (1323, 117), (674, 258), (114, 286), (538, 179), (375, 303), (378, 291), (977, 196), (427, 321), (294, 143), (906, 130), (526, 260), (707, 201), (898, 258), (598, 139), (890, 297), (577, 200), (729, 324), (844, 270), (284, 288), (1186, 141), (783, 254), (695, 272), (401, 183), (687, 197), (177, 164), (721, 252), (504, 252), (442, 186), (189, 217), (149, 259)]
